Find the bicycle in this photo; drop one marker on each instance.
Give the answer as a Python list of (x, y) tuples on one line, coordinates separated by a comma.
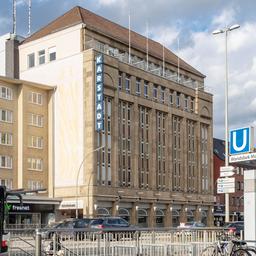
[(221, 248)]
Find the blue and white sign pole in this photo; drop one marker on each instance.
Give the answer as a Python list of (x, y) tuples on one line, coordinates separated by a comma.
[(220, 31)]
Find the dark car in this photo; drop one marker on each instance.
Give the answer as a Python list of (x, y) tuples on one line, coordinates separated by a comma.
[(74, 228), (66, 228), (235, 228), (113, 225)]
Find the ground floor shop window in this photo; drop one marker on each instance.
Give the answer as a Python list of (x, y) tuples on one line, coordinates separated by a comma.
[(190, 216), (159, 218), (142, 218), (24, 220), (124, 213), (175, 218), (102, 212), (204, 217)]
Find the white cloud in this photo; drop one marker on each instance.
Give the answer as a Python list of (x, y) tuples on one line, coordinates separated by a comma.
[(164, 35), (207, 54), (109, 2), (226, 17)]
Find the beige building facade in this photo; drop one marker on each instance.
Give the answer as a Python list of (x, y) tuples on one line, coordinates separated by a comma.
[(151, 160)]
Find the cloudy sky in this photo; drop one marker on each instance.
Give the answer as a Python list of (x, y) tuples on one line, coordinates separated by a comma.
[(192, 21)]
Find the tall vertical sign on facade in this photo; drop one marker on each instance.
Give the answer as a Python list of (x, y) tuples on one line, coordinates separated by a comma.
[(99, 114)]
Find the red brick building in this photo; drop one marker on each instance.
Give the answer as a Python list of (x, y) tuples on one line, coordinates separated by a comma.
[(236, 200)]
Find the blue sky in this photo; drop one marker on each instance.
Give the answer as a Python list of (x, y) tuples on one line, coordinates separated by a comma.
[(192, 21)]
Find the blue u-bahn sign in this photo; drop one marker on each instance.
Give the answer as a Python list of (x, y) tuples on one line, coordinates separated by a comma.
[(240, 140), (99, 99)]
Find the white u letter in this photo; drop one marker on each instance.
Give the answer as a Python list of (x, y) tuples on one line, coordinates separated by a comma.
[(239, 148)]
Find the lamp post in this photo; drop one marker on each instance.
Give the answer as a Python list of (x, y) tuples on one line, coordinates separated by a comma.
[(215, 32), (78, 172)]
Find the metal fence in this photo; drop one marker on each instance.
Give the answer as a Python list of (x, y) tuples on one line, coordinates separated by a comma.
[(142, 242)]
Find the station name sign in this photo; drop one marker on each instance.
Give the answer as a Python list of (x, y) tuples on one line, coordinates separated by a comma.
[(99, 100)]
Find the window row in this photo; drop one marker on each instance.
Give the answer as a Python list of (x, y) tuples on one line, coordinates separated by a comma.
[(35, 184), (159, 93), (41, 57), (6, 93)]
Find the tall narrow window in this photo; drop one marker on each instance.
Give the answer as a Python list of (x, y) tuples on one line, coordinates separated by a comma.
[(128, 84), (162, 94), (155, 91), (145, 89), (35, 98), (176, 150), (35, 164), (120, 81), (178, 100), (138, 86), (35, 120), (104, 163), (205, 159), (124, 144), (31, 60), (144, 144), (186, 103), (41, 57), (171, 97), (160, 152), (191, 154)]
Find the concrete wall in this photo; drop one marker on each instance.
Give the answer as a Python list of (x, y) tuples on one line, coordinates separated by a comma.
[(66, 73)]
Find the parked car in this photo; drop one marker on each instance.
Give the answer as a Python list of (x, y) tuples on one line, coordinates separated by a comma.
[(49, 230), (71, 228), (113, 226), (235, 228), (192, 224), (66, 228)]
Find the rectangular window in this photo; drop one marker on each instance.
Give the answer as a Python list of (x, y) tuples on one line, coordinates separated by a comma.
[(5, 93), (6, 162), (186, 103), (35, 164), (162, 94), (6, 115), (35, 142), (178, 100), (52, 53), (41, 57), (120, 81), (171, 98), (5, 138), (128, 84), (35, 120), (7, 183), (35, 98), (146, 89), (155, 91), (192, 104), (137, 86), (31, 60)]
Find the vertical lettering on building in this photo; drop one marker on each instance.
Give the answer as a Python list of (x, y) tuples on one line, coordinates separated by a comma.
[(99, 116)]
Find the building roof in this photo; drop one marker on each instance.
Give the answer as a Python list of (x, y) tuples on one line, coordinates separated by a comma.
[(219, 151), (19, 82), (79, 15)]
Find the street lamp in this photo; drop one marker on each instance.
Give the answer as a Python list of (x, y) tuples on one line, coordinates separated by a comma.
[(215, 32), (78, 176)]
